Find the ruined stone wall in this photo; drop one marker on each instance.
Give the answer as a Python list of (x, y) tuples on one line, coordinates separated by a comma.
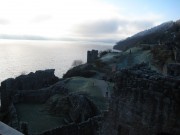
[(173, 69), (6, 91), (33, 81), (12, 116), (25, 89), (143, 102), (89, 127)]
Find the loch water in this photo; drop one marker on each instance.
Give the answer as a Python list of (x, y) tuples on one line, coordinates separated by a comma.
[(24, 56)]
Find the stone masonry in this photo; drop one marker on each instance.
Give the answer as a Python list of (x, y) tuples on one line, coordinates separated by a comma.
[(143, 103), (92, 56), (32, 81), (173, 69)]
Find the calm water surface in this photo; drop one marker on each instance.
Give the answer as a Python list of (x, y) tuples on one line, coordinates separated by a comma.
[(17, 57)]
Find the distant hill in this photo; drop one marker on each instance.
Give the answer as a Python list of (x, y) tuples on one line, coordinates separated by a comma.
[(23, 37), (164, 33)]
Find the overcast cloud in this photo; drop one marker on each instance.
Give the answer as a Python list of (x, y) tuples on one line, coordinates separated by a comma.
[(98, 27), (74, 20), (41, 18), (3, 21), (114, 29)]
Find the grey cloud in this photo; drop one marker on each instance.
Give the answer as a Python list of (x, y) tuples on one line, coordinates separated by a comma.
[(142, 24), (3, 21), (110, 27), (115, 29), (139, 25), (99, 27), (129, 28)]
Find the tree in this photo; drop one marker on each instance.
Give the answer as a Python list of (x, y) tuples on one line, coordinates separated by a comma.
[(102, 53), (77, 63)]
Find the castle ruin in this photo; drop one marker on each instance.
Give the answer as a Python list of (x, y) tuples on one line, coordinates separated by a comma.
[(92, 56)]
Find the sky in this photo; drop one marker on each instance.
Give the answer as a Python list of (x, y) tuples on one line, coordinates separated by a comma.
[(83, 20)]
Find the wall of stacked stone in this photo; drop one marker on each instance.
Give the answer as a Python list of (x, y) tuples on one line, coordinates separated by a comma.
[(38, 96), (32, 81), (89, 127), (173, 69), (27, 88), (143, 102), (12, 114)]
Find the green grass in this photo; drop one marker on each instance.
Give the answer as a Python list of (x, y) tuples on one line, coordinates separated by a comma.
[(91, 88), (80, 84), (37, 118)]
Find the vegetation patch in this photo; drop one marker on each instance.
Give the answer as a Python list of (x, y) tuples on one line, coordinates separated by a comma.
[(161, 54), (37, 117)]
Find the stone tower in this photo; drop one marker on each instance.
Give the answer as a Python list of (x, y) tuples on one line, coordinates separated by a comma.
[(92, 56)]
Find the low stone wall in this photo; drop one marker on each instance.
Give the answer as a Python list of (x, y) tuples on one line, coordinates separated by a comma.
[(143, 102), (89, 127), (32, 96), (38, 96)]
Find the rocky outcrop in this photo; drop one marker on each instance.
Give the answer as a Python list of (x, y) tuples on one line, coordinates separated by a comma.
[(143, 102)]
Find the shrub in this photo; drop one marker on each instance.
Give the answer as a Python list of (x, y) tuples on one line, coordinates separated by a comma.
[(77, 63), (102, 53), (160, 55), (100, 64)]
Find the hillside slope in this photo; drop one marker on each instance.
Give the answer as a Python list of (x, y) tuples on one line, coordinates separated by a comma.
[(164, 33)]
